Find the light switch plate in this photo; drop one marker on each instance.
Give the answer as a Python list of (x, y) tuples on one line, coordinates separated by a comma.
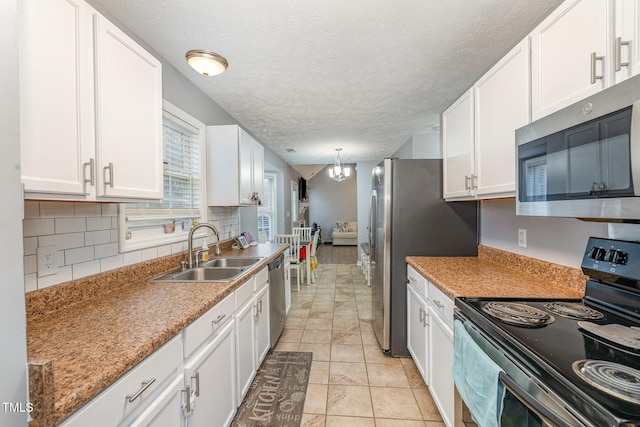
[(47, 260)]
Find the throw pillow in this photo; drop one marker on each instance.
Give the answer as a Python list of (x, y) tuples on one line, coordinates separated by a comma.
[(342, 225)]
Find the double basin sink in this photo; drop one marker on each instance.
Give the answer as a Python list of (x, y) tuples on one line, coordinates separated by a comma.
[(219, 269)]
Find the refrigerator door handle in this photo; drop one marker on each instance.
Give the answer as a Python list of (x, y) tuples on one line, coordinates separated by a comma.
[(372, 222)]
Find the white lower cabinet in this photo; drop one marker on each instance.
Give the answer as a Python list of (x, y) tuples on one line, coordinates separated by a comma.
[(418, 323), (245, 338), (200, 376), (263, 324), (143, 392), (252, 326), (430, 339), (441, 383), (166, 409), (210, 381)]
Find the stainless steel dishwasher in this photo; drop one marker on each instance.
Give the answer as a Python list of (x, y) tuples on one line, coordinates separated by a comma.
[(277, 307)]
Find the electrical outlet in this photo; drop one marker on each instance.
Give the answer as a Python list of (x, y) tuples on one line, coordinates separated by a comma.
[(47, 260), (522, 237)]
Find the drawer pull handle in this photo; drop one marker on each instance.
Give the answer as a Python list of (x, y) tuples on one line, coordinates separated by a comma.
[(145, 386), (618, 53), (92, 166), (438, 304), (197, 378), (218, 319), (104, 175), (594, 75), (187, 392), (412, 279)]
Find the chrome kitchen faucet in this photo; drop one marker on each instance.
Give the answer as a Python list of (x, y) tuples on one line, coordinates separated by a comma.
[(190, 240)]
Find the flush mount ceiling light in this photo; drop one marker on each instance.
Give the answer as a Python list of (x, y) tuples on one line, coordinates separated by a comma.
[(339, 172), (206, 62)]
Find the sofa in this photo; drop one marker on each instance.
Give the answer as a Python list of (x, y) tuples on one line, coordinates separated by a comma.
[(345, 233)]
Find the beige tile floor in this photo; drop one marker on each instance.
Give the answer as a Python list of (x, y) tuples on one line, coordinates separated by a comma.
[(352, 383)]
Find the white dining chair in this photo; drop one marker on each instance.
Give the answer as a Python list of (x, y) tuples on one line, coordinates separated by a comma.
[(295, 263), (304, 232)]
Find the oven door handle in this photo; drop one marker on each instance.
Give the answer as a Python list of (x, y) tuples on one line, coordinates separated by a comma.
[(548, 417)]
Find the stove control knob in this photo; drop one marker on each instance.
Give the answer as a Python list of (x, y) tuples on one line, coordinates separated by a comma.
[(597, 253), (620, 257)]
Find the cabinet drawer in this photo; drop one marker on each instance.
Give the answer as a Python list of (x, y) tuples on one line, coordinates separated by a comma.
[(244, 292), (419, 283), (147, 378), (441, 303), (261, 277), (197, 333)]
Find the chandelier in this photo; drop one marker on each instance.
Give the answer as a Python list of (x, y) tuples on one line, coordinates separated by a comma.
[(339, 172)]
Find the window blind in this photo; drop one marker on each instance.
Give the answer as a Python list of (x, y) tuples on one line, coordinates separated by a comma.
[(182, 180)]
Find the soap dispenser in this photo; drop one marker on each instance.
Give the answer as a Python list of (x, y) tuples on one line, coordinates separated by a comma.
[(204, 252)]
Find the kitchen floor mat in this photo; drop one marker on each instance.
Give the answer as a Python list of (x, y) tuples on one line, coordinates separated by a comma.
[(276, 396)]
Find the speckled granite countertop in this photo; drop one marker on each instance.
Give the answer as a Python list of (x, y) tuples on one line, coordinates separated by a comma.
[(96, 336), (496, 273)]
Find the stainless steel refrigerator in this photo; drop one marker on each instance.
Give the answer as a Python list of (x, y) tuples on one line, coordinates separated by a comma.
[(408, 217)]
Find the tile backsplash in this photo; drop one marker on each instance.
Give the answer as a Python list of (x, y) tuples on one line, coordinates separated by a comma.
[(86, 238)]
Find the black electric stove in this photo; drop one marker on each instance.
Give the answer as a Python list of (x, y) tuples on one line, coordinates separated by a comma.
[(586, 351)]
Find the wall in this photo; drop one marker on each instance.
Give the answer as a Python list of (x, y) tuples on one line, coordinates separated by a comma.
[(421, 146), (285, 174), (558, 240), (13, 352), (331, 201)]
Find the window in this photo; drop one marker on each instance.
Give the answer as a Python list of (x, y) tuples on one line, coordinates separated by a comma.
[(152, 224), (267, 211)]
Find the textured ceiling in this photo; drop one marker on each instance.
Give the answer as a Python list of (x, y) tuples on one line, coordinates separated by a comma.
[(363, 75)]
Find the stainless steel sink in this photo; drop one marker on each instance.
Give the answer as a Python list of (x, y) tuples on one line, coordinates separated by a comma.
[(220, 274), (218, 269), (231, 262)]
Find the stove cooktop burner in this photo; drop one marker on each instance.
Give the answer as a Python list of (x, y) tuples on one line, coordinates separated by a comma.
[(573, 310), (617, 380), (619, 334), (517, 314)]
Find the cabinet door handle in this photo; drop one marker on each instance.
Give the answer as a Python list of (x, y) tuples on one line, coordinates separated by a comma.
[(618, 53), (420, 314), (425, 320), (594, 75), (474, 182), (197, 378), (260, 304), (187, 391), (92, 172), (104, 175), (467, 179), (145, 386), (218, 319)]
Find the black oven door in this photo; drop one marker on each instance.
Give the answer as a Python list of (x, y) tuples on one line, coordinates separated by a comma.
[(527, 402)]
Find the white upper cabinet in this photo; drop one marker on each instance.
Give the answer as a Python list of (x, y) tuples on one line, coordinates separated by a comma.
[(128, 116), (502, 102), (93, 116), (626, 46), (235, 166), (457, 147), (479, 130), (571, 55), (56, 102)]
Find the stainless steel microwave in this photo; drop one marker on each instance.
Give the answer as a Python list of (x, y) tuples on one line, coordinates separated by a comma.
[(584, 160)]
